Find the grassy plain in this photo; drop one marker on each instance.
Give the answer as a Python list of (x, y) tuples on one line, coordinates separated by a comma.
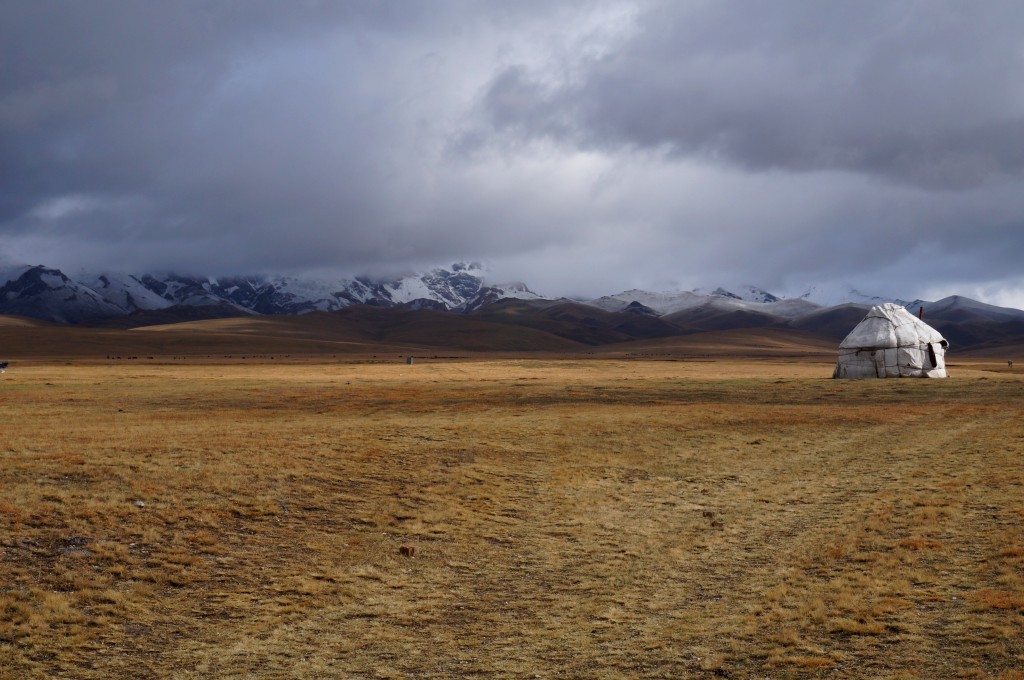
[(597, 518)]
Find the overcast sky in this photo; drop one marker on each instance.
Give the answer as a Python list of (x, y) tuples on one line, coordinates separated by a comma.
[(583, 147)]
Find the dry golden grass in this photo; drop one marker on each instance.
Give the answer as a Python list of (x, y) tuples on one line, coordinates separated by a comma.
[(575, 518)]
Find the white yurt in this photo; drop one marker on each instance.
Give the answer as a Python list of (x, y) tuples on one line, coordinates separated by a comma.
[(892, 343)]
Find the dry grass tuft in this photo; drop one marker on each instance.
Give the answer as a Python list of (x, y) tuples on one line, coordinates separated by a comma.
[(999, 599)]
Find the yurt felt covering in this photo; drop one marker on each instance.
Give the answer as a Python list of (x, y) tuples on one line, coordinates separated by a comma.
[(892, 343)]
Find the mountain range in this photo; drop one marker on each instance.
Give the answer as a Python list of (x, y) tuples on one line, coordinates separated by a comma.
[(462, 290), (50, 294)]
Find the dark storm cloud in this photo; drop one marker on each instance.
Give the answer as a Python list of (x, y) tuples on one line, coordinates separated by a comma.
[(927, 94), (584, 147), (226, 136), (114, 98)]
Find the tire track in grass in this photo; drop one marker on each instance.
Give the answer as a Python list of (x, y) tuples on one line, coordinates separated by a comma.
[(866, 537)]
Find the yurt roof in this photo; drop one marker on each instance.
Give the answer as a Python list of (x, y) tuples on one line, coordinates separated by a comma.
[(890, 325)]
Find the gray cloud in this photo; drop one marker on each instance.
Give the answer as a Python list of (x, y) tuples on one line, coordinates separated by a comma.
[(584, 147), (922, 94)]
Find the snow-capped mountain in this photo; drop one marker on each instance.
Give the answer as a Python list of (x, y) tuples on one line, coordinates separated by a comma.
[(490, 294), (959, 308), (745, 298), (663, 303), (127, 292), (830, 295), (50, 294), (745, 293)]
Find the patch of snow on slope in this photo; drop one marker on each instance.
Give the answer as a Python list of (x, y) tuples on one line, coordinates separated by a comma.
[(323, 295), (516, 290), (754, 294), (746, 293), (791, 309), (410, 288), (125, 291)]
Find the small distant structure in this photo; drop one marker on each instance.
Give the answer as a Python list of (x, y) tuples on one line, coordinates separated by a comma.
[(890, 342), (409, 361)]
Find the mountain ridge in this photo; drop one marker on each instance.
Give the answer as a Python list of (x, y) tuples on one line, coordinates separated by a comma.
[(50, 294), (133, 300)]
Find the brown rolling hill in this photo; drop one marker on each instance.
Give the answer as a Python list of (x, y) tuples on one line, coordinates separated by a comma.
[(832, 322), (356, 329), (713, 317), (170, 315), (778, 343), (369, 330), (47, 342), (981, 336), (577, 322), (12, 321), (433, 328), (510, 326)]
